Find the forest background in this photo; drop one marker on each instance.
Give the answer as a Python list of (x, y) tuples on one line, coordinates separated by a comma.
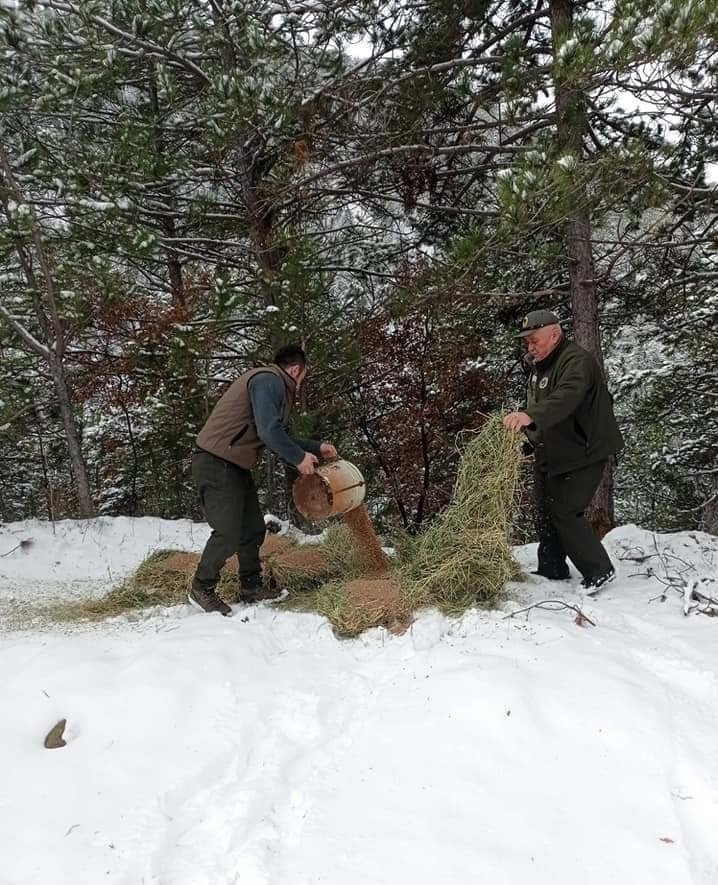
[(185, 186)]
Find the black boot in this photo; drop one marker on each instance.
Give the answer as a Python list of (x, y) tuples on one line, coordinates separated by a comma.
[(552, 575), (253, 588), (595, 583)]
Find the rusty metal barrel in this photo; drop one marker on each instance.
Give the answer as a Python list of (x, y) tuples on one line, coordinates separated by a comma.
[(333, 489)]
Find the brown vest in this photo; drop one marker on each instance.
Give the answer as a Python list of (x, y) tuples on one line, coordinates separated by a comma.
[(230, 431)]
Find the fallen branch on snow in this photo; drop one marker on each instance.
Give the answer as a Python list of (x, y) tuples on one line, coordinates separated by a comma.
[(555, 605), (683, 580), (23, 545), (693, 599)]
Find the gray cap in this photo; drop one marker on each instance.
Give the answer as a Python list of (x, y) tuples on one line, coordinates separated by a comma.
[(537, 319)]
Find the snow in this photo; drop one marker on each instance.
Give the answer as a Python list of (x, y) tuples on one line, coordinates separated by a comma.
[(106, 547), (262, 750), (567, 48), (568, 162)]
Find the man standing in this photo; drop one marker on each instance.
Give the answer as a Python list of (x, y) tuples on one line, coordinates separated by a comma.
[(252, 414), (570, 424)]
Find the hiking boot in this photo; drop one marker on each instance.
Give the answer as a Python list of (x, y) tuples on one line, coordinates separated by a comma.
[(594, 584), (208, 601), (258, 590), (552, 576)]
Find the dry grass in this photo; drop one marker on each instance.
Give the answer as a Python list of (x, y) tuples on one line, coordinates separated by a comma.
[(464, 558), (152, 584), (340, 559), (300, 568), (362, 603), (162, 579)]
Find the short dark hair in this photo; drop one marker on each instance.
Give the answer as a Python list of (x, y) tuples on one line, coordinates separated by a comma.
[(290, 355)]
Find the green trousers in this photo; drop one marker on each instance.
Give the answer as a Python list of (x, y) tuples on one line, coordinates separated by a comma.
[(229, 499), (563, 529)]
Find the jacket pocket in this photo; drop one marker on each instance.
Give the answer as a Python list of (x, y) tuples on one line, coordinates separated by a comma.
[(237, 436), (581, 434)]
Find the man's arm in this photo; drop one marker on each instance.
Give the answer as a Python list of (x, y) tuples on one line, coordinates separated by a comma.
[(307, 445), (266, 393)]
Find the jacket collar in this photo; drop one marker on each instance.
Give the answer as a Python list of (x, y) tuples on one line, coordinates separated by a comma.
[(290, 383), (548, 361)]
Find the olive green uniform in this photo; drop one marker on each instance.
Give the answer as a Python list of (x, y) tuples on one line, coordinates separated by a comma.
[(574, 433), (228, 496)]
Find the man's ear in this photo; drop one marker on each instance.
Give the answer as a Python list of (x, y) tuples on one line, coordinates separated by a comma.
[(294, 371)]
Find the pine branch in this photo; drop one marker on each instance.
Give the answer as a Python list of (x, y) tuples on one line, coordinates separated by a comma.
[(400, 150), (133, 39)]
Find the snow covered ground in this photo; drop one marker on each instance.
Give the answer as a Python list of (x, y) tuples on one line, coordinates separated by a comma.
[(261, 750)]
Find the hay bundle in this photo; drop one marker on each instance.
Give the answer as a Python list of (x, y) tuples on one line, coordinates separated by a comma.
[(465, 558)]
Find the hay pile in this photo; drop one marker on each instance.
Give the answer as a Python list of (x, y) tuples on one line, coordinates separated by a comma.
[(465, 558), (362, 603), (340, 558), (164, 578), (299, 567), (152, 584), (358, 591)]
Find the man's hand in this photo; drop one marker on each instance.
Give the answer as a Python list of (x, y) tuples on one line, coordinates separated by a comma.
[(327, 451), (307, 464), (517, 421)]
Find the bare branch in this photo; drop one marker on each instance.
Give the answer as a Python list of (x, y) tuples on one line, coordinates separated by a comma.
[(552, 605), (25, 334)]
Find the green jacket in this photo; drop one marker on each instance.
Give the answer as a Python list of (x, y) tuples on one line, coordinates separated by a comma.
[(572, 411)]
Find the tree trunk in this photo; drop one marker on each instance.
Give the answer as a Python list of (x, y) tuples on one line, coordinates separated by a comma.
[(584, 308), (167, 222), (45, 475), (709, 510), (86, 508), (52, 326), (571, 127)]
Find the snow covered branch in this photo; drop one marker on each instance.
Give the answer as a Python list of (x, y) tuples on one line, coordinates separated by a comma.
[(36, 346)]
